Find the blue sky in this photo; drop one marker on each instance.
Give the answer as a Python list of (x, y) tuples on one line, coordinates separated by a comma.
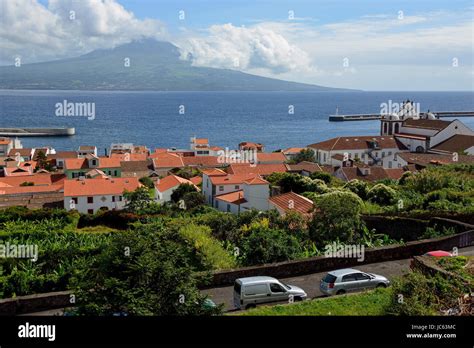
[(366, 44)]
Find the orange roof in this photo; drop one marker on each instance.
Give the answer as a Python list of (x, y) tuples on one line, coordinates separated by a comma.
[(357, 143), (160, 150), (26, 152), (214, 172), (230, 179), (260, 169), (292, 150), (5, 141), (236, 197), (107, 162), (171, 181), (291, 201), (18, 190), (201, 141), (196, 180), (18, 171), (167, 160), (97, 187), (36, 179), (256, 181), (202, 161), (75, 163), (278, 157)]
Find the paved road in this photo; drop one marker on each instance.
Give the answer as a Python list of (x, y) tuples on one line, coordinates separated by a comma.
[(310, 282)]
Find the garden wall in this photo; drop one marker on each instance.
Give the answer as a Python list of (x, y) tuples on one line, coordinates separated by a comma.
[(34, 303), (321, 263)]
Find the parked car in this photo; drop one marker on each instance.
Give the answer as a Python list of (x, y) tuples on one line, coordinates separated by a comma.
[(248, 292), (350, 280), (438, 253)]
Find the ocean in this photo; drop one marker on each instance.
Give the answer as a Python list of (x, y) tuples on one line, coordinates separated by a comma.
[(170, 119)]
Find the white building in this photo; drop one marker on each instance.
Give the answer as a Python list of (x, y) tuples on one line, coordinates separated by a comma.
[(165, 187), (371, 150), (91, 195)]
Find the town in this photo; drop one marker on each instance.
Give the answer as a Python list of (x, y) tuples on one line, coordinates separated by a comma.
[(229, 180)]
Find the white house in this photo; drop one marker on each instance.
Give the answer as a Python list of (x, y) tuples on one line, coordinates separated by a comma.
[(371, 150), (165, 187), (6, 144), (91, 195), (254, 194)]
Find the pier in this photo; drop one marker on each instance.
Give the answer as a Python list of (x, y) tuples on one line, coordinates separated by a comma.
[(36, 132), (369, 117)]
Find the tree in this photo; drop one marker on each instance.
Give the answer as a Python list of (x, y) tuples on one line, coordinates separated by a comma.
[(296, 183), (193, 200), (304, 155), (265, 245), (148, 182), (138, 200), (337, 217), (359, 187), (181, 190), (382, 194), (145, 271), (326, 177)]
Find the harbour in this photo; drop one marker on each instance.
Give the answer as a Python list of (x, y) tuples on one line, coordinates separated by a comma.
[(36, 132), (370, 117)]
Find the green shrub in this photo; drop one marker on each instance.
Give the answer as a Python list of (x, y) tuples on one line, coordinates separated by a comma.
[(359, 187), (382, 194)]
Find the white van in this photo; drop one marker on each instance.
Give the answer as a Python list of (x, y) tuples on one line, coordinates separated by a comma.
[(248, 292)]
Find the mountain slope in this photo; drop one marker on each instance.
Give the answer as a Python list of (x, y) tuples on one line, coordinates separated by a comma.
[(154, 65)]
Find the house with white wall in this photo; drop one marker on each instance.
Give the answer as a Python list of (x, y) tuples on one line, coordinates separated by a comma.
[(91, 195), (371, 150), (165, 187)]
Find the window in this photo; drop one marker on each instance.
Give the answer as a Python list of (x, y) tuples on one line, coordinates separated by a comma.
[(120, 198), (94, 162), (74, 199), (383, 153), (259, 289), (228, 208), (90, 211), (390, 164), (115, 173), (362, 276), (237, 288), (276, 288), (90, 200), (113, 198), (221, 188), (329, 278), (236, 187), (349, 277)]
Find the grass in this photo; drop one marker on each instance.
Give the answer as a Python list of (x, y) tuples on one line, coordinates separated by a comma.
[(96, 229), (460, 265), (369, 303)]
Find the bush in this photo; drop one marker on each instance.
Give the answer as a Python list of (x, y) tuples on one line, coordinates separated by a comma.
[(181, 190), (326, 177), (337, 217), (382, 194), (147, 182), (265, 245), (359, 187)]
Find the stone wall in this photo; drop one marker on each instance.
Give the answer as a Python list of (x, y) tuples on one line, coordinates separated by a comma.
[(34, 303)]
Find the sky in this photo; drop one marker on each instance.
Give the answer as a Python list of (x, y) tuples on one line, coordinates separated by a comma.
[(403, 45)]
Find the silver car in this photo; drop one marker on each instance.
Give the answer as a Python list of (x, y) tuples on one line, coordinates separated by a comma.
[(350, 280), (248, 292)]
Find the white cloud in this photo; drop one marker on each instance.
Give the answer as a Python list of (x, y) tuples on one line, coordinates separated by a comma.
[(245, 48), (35, 32)]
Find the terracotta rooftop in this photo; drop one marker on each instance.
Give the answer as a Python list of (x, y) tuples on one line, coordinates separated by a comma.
[(425, 159), (23, 152), (196, 180), (426, 124), (214, 172), (357, 143), (129, 156), (136, 166), (5, 141), (376, 173), (203, 161), (236, 197), (36, 179), (291, 201), (457, 143), (171, 181), (310, 167), (97, 187), (292, 150), (18, 190), (274, 157), (260, 169), (231, 179), (63, 154), (168, 160)]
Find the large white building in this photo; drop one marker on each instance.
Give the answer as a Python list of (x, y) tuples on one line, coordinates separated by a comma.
[(91, 195)]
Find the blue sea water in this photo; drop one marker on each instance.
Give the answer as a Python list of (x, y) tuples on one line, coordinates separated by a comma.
[(226, 118)]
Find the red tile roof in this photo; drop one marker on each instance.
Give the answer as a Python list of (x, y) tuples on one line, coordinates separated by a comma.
[(37, 179), (375, 173), (97, 187), (196, 180), (291, 201), (310, 167), (171, 181), (25, 152), (271, 157), (5, 141), (18, 171), (203, 161), (292, 150), (18, 190), (425, 159), (256, 181), (201, 141), (356, 143), (236, 197), (230, 179), (260, 169), (214, 172), (426, 124), (457, 143), (168, 160), (129, 156), (63, 154)]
